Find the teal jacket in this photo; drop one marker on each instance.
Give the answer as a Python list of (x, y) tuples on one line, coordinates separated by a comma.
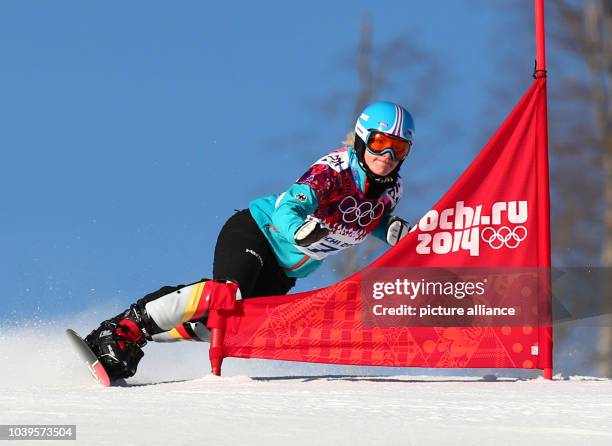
[(333, 192)]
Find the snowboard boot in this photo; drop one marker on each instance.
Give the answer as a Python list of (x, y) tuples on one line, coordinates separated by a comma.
[(118, 342)]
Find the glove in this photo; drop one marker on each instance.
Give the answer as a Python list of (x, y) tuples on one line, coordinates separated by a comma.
[(397, 229), (310, 232)]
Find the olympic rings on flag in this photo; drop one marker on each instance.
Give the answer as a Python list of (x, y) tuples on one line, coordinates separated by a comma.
[(504, 236), (364, 214)]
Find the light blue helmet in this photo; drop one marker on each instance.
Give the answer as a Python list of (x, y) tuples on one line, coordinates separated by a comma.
[(385, 117)]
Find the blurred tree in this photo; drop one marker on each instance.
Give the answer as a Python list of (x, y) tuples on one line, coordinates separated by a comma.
[(579, 67), (579, 83), (583, 138), (375, 69)]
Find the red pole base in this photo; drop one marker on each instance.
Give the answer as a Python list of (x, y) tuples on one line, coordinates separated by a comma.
[(223, 296), (215, 353)]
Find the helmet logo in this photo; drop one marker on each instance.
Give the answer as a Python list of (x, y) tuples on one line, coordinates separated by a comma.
[(383, 124), (365, 117)]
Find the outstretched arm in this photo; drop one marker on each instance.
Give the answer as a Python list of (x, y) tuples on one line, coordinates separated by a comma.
[(301, 200), (291, 210)]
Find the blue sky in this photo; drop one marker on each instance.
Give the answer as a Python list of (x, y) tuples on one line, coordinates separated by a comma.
[(129, 131)]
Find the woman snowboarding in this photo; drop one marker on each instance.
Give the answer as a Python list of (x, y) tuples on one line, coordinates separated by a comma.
[(261, 251)]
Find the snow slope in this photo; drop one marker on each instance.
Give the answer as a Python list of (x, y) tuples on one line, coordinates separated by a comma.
[(265, 402)]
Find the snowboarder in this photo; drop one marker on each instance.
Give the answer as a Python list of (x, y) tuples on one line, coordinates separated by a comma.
[(261, 251)]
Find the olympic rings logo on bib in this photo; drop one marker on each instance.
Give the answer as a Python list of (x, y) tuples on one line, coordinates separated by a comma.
[(503, 236), (364, 214)]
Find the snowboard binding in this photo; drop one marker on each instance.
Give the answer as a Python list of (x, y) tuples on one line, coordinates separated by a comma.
[(166, 313), (118, 342)]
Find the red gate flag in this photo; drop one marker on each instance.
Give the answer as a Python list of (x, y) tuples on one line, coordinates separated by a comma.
[(495, 216)]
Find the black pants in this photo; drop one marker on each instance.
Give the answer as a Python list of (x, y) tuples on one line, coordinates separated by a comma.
[(243, 254)]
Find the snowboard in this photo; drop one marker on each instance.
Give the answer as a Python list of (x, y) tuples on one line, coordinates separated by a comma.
[(89, 358)]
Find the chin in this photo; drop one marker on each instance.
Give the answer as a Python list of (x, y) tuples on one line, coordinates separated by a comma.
[(380, 168), (385, 171)]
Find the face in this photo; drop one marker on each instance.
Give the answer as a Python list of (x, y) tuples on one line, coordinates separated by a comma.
[(381, 165)]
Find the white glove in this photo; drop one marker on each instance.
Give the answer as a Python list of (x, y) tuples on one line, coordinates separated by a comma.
[(397, 229), (310, 232)]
